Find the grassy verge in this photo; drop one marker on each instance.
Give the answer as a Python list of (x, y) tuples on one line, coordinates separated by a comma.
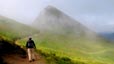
[(54, 58)]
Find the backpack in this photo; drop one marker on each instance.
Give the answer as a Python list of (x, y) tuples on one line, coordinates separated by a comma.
[(30, 44)]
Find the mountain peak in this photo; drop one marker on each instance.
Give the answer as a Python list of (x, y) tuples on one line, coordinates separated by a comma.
[(52, 19), (50, 7)]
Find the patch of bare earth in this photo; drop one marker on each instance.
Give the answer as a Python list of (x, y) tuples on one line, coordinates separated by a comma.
[(17, 59)]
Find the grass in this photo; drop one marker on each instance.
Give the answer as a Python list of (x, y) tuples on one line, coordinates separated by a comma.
[(13, 30), (77, 49)]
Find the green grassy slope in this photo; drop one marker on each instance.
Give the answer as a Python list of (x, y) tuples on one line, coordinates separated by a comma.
[(11, 29), (89, 51)]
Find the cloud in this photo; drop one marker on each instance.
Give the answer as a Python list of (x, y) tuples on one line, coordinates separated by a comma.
[(111, 23), (24, 11)]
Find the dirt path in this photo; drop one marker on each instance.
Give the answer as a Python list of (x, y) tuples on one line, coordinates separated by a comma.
[(16, 59)]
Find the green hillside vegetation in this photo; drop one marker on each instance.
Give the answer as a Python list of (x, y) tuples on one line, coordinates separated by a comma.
[(87, 51), (59, 48), (13, 30)]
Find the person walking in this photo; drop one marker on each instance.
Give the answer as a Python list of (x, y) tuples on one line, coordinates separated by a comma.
[(30, 45)]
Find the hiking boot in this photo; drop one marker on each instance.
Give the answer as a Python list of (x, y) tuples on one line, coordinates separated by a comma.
[(33, 59)]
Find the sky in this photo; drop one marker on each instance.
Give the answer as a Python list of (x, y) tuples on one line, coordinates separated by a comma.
[(97, 15)]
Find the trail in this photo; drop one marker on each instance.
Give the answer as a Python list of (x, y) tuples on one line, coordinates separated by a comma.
[(17, 59)]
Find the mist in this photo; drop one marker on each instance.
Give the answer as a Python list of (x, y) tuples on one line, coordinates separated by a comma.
[(96, 14)]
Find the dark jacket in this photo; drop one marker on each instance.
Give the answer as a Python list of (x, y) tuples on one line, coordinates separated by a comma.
[(30, 44)]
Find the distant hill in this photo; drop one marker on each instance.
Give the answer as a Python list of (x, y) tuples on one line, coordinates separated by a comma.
[(11, 29), (62, 33), (55, 21), (108, 36), (52, 19)]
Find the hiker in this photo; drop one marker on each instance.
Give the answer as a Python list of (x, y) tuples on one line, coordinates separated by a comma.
[(30, 45)]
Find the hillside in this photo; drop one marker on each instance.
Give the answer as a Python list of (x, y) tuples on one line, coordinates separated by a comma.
[(62, 35), (51, 19), (55, 21), (13, 30), (10, 31)]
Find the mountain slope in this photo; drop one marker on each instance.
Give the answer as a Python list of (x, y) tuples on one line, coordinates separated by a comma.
[(55, 21), (12, 29), (59, 32)]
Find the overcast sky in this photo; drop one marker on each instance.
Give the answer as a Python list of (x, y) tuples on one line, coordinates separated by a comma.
[(95, 14)]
